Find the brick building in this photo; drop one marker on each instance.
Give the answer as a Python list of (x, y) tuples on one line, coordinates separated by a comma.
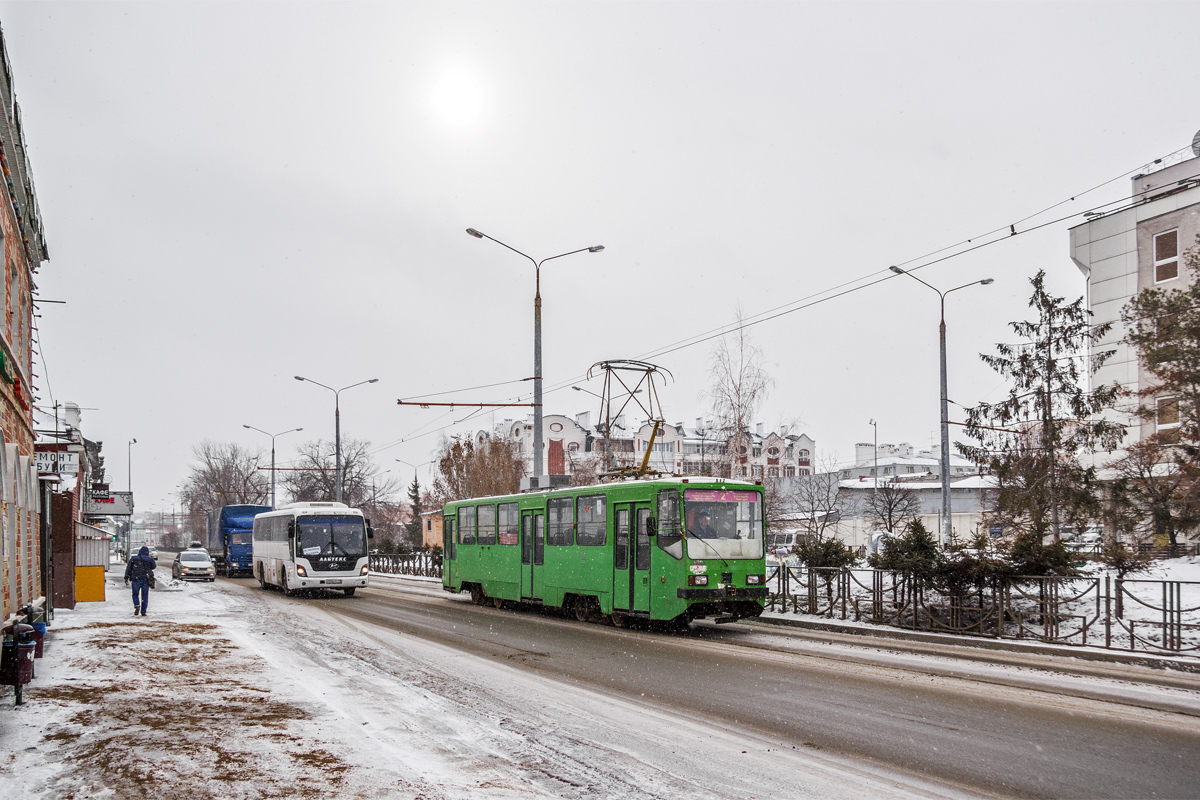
[(23, 549)]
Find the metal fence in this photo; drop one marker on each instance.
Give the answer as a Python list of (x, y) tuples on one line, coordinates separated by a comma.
[(428, 565), (1136, 615)]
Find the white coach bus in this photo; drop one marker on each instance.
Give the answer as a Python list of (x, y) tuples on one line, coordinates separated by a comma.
[(312, 546)]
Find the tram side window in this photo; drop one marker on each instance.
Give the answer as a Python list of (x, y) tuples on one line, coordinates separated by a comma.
[(669, 524), (593, 523), (487, 524), (559, 530), (508, 523), (466, 525), (448, 532), (621, 546)]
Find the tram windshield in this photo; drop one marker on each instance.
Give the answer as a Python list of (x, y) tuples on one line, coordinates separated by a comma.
[(723, 524)]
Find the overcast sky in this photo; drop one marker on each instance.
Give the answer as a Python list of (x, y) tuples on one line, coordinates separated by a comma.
[(237, 193)]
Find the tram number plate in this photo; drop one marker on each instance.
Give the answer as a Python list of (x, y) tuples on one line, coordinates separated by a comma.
[(333, 580)]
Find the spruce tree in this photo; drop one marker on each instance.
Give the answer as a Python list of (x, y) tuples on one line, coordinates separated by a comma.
[(1033, 439), (413, 528)]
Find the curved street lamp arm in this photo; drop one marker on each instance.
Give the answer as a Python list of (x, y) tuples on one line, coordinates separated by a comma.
[(323, 386), (351, 386), (560, 255), (899, 271), (482, 235)]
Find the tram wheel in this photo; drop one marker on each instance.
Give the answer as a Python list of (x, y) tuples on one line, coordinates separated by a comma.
[(582, 613), (621, 620), (477, 595), (497, 602)]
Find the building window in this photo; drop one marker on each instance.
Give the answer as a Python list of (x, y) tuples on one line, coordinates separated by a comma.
[(756, 470), (1167, 418), (772, 451), (757, 450), (572, 447), (743, 470), (789, 472), (1166, 256), (772, 472), (428, 524)]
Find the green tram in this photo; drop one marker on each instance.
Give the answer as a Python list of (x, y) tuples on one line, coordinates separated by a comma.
[(662, 549)]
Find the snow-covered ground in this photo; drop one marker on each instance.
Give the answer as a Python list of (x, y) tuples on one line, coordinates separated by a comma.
[(221, 692)]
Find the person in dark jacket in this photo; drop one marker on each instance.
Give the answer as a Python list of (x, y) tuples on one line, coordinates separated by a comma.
[(138, 570)]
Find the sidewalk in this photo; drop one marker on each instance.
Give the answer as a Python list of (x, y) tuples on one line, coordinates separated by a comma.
[(964, 644), (192, 700)]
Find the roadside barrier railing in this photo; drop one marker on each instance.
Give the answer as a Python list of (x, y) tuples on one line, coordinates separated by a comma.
[(1138, 615), (428, 565)]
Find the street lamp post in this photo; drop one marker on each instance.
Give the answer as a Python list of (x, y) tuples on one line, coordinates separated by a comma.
[(337, 428), (537, 340), (272, 435), (875, 483), (129, 464), (944, 407), (129, 486)]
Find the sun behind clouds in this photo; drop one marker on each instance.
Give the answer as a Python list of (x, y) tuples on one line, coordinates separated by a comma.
[(457, 96)]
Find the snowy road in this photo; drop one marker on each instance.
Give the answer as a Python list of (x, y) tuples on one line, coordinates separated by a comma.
[(993, 727), (230, 691), (227, 691)]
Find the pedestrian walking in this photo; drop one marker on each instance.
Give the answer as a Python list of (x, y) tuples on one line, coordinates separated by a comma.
[(140, 570)]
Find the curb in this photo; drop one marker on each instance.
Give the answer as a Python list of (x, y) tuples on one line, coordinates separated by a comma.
[(1151, 660)]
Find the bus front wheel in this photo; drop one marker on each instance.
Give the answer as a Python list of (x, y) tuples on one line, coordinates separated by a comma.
[(349, 592)]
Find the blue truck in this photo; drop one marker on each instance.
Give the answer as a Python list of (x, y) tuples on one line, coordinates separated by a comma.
[(230, 544)]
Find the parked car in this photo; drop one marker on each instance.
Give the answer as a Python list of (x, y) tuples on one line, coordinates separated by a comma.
[(153, 552), (193, 565)]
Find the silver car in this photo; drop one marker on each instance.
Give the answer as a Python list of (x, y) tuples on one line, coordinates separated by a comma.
[(193, 565)]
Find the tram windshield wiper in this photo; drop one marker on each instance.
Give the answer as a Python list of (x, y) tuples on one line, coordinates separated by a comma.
[(716, 552)]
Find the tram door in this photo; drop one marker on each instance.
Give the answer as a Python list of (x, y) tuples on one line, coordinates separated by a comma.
[(640, 556), (448, 552), (533, 549), (631, 557), (622, 563)]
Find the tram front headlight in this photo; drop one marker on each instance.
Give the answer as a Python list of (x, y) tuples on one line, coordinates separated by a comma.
[(697, 580), (755, 580)]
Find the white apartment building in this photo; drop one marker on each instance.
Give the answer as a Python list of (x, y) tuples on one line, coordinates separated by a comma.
[(677, 449), (902, 461), (1134, 247)]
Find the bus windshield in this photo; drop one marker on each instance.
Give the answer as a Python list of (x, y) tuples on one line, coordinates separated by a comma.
[(723, 524), (336, 536)]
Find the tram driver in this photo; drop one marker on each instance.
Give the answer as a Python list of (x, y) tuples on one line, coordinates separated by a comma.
[(703, 528)]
